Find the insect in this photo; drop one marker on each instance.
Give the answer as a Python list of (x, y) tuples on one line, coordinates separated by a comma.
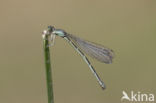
[(99, 52)]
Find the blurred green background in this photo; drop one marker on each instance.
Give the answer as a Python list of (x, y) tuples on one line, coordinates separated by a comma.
[(126, 26)]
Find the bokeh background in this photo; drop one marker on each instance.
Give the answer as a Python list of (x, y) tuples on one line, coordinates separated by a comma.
[(126, 26)]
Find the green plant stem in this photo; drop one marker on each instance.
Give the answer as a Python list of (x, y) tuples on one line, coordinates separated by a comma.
[(48, 68)]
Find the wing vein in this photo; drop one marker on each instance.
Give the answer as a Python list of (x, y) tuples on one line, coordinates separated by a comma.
[(94, 50)]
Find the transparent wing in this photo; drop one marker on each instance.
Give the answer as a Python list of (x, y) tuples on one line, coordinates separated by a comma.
[(96, 51)]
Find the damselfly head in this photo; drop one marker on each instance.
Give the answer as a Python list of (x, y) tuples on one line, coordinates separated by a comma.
[(51, 28)]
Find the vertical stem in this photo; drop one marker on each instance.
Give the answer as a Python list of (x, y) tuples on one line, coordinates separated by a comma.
[(48, 67)]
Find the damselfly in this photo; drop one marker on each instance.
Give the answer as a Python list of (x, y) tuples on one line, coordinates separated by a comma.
[(99, 52)]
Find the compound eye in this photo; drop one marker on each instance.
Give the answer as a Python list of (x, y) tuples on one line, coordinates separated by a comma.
[(51, 28)]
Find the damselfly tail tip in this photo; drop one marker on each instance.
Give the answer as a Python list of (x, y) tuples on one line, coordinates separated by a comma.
[(103, 87)]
